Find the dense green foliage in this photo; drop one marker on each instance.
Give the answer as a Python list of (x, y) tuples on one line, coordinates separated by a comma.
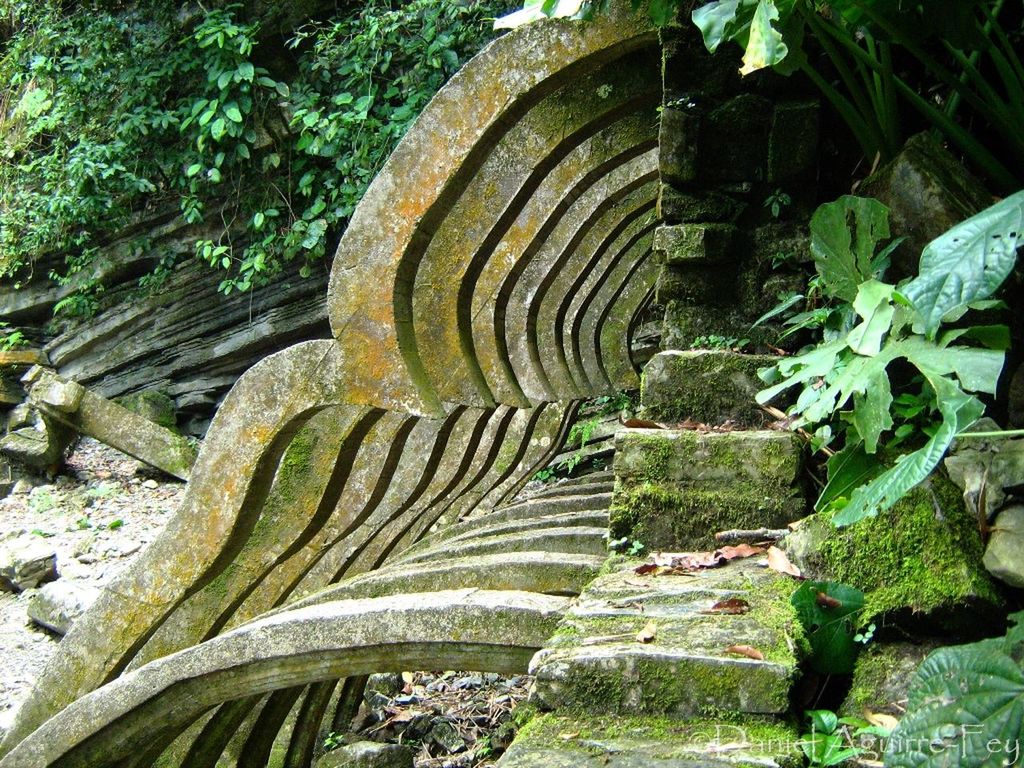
[(113, 111), (883, 374)]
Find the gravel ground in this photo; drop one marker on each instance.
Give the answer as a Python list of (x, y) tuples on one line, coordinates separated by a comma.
[(97, 518)]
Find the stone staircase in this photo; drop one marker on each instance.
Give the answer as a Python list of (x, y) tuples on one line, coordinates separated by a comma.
[(665, 668)]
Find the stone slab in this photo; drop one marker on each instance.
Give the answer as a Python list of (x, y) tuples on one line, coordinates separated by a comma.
[(557, 740), (595, 660), (709, 386)]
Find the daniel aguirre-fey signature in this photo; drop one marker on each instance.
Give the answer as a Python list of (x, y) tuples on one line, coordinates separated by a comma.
[(966, 742)]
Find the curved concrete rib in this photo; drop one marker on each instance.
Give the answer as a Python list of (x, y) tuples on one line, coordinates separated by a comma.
[(409, 198), (464, 629)]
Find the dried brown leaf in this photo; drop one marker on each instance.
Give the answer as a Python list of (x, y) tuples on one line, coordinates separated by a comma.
[(827, 601), (734, 606), (746, 650), (688, 560), (641, 424), (648, 633), (739, 551), (778, 561)]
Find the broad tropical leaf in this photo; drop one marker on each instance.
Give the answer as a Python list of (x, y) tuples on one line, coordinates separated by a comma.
[(830, 623), (718, 21), (850, 468), (959, 410), (966, 707), (874, 304), (765, 46), (967, 263), (845, 258)]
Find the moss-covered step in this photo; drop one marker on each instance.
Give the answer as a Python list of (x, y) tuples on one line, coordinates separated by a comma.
[(676, 488), (584, 540), (919, 563), (556, 740), (710, 386), (597, 661), (588, 509)]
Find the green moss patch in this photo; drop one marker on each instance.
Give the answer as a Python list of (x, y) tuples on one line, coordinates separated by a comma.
[(923, 555)]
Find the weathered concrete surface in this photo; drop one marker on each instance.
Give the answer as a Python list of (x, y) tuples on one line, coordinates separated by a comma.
[(254, 426), (466, 629), (558, 740), (596, 661), (677, 487), (514, 171), (89, 414), (367, 754), (531, 571), (469, 115)]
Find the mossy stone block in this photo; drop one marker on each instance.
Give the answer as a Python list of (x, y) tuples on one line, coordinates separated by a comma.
[(152, 404), (686, 206), (768, 459), (678, 135), (920, 563), (667, 517), (793, 141), (689, 243), (881, 678), (595, 662), (677, 487), (710, 386)]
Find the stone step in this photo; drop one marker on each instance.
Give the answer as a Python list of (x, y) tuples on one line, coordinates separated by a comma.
[(675, 488), (555, 740), (582, 540), (544, 572), (595, 661), (586, 518), (580, 486), (709, 386), (522, 512)]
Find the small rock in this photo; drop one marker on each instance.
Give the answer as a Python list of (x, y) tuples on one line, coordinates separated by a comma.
[(471, 681), (24, 565), (1004, 557), (22, 487), (86, 559), (151, 484), (56, 605), (446, 736), (367, 754), (388, 683)]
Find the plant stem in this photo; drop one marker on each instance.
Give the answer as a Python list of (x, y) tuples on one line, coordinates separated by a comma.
[(997, 433)]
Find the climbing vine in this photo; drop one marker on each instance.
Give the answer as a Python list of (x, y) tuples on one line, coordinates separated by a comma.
[(116, 111)]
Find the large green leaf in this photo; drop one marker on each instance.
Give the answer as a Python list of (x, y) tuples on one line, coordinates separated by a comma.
[(802, 369), (718, 21), (967, 263), (871, 407), (874, 305), (830, 623), (965, 708), (848, 469), (844, 257), (765, 46), (959, 410)]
